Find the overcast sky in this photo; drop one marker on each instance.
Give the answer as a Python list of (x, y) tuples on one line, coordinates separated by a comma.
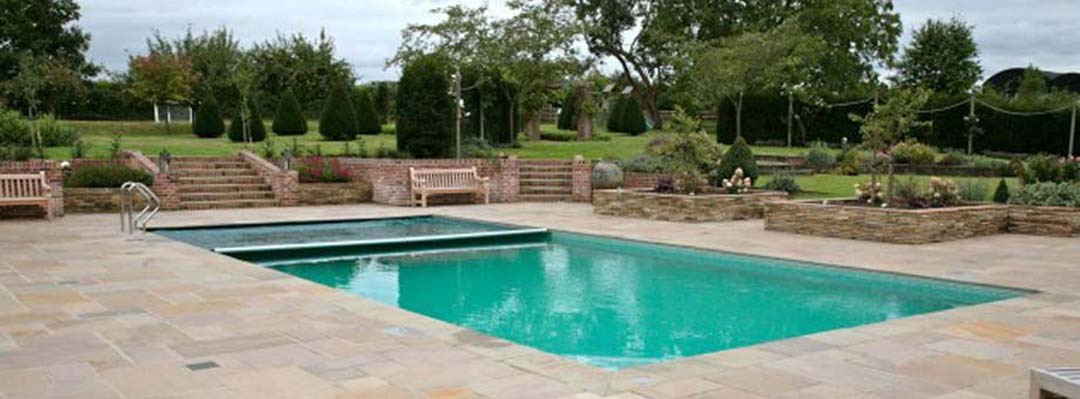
[(1009, 32)]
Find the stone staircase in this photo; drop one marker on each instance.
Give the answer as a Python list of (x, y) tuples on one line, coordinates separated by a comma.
[(219, 182), (545, 181)]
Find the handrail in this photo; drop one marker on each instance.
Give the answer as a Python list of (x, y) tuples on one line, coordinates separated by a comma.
[(129, 221)]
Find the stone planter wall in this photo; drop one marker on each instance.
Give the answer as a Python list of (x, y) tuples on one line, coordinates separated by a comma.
[(95, 200), (333, 193), (899, 226), (683, 208), (1044, 220)]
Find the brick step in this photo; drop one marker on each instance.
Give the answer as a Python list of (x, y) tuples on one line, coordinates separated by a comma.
[(530, 162), (219, 180), (226, 204), (206, 159), (546, 190), (546, 182), (545, 198), (240, 195), (544, 175), (207, 165), (546, 169), (214, 172), (220, 188)]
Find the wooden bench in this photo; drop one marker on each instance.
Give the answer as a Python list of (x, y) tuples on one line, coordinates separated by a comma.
[(1055, 382), (427, 182), (26, 189)]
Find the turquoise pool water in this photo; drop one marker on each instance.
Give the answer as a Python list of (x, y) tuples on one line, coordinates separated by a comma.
[(616, 303), (247, 238)]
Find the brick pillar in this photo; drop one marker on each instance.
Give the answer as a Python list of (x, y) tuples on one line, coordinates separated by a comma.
[(581, 186), (509, 180)]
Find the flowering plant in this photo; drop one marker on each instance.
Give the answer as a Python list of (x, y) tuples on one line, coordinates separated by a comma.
[(868, 192), (943, 192), (737, 183)]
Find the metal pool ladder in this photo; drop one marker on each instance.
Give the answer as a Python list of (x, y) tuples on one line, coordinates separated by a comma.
[(129, 220)]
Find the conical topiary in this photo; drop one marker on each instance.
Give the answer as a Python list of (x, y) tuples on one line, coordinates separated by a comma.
[(367, 118), (568, 115), (257, 130), (614, 122), (289, 118), (1001, 195), (338, 120), (738, 156), (208, 123), (633, 120)]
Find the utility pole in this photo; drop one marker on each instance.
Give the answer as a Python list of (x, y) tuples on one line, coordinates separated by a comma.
[(457, 111)]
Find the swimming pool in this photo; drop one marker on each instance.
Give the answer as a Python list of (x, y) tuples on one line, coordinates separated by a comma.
[(615, 303)]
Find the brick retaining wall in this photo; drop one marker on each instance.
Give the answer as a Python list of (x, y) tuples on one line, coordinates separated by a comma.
[(389, 178), (95, 200), (333, 193), (683, 208)]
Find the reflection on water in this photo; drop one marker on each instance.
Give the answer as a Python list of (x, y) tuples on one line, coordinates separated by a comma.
[(616, 304)]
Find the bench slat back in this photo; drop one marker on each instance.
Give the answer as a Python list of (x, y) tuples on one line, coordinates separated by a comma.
[(23, 186), (446, 178)]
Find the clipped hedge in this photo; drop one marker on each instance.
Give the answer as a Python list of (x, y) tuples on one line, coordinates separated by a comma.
[(568, 115), (208, 123), (107, 176), (425, 112), (633, 119), (367, 119), (615, 117), (257, 130), (289, 118), (338, 119)]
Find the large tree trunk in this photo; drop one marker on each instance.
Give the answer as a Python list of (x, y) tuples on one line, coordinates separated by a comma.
[(532, 127), (584, 118), (651, 107)]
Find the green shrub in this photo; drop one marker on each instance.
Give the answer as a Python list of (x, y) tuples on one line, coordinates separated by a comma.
[(819, 158), (642, 163), (113, 175), (474, 147), (784, 183), (1070, 169), (367, 119), (338, 119), (908, 194), (1001, 194), (257, 131), (425, 112), (289, 118), (208, 123), (943, 192), (913, 153), (973, 190), (568, 115), (557, 135), (1043, 168), (633, 119), (15, 138), (55, 134), (686, 153), (738, 156), (1047, 194), (615, 117), (954, 158)]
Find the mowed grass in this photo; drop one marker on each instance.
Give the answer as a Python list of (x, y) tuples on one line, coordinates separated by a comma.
[(151, 139), (843, 186)]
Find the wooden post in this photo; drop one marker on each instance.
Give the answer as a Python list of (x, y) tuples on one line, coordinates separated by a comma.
[(971, 125), (1072, 130)]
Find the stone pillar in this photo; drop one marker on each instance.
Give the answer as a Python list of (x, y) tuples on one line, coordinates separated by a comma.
[(581, 186)]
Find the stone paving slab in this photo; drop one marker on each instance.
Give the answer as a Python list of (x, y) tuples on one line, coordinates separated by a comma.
[(86, 312)]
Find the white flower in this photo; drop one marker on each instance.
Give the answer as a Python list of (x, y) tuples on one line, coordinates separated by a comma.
[(65, 165)]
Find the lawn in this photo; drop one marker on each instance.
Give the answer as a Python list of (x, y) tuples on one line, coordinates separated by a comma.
[(151, 138), (839, 186)]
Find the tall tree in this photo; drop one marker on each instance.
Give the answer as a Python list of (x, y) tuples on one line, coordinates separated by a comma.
[(888, 124), (780, 59), (161, 78), (1032, 84), (309, 67), (424, 110), (214, 56), (42, 84), (42, 32), (942, 57)]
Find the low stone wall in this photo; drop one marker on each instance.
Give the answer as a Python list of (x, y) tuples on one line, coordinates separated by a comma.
[(95, 200), (333, 193), (898, 226), (683, 208), (1044, 220)]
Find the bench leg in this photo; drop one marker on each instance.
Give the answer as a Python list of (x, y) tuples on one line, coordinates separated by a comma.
[(423, 200), (487, 197), (48, 211)]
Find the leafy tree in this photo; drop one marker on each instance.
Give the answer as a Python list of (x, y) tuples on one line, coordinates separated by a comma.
[(382, 102), (253, 128), (780, 59), (208, 122), (289, 119), (43, 84), (424, 110), (367, 119), (1032, 84), (309, 67), (161, 78), (43, 30), (942, 57), (632, 118), (214, 57), (888, 124), (567, 118), (338, 119), (738, 156)]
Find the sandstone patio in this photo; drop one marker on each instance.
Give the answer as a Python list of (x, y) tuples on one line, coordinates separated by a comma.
[(86, 312)]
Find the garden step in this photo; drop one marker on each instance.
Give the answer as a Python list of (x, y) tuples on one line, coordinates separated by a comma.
[(545, 198), (545, 182), (187, 165), (193, 205), (221, 188), (544, 175), (239, 195), (546, 190), (198, 180), (205, 159), (214, 172), (564, 169)]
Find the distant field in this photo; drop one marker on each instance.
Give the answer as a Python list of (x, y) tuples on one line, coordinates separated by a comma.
[(151, 138)]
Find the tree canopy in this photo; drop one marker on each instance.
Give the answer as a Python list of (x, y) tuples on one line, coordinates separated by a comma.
[(942, 57)]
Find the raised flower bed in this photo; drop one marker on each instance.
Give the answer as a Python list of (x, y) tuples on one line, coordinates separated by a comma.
[(333, 193), (847, 219), (706, 207)]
